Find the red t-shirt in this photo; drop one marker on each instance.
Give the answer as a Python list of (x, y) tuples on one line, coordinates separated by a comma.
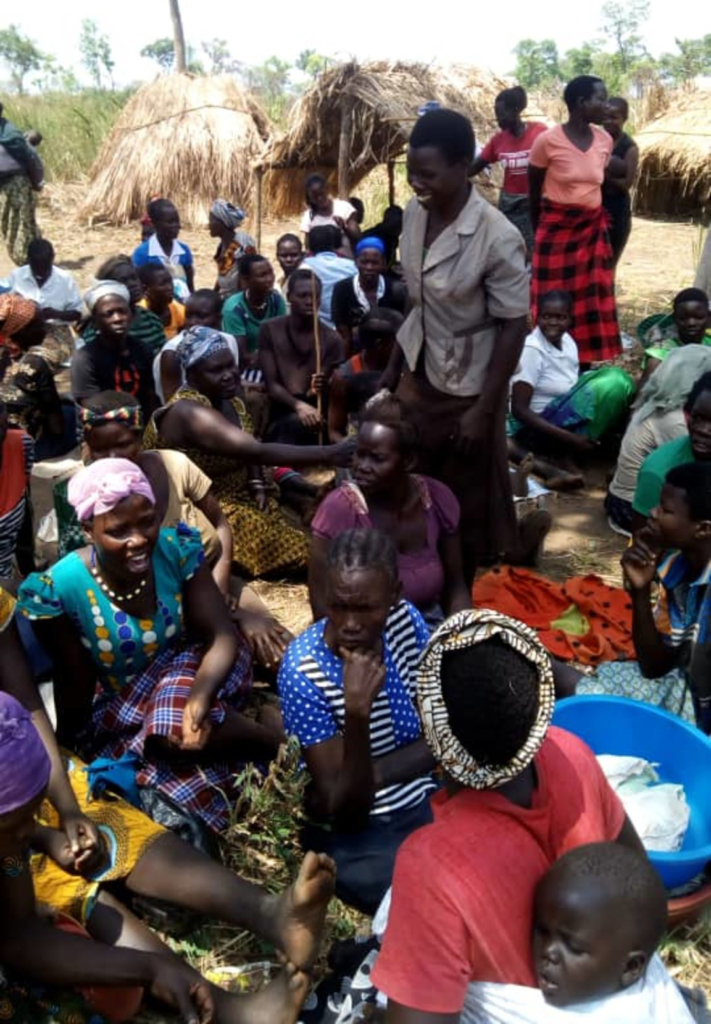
[(462, 898), (513, 153)]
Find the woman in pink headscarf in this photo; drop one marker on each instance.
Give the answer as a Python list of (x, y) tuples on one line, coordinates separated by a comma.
[(149, 669)]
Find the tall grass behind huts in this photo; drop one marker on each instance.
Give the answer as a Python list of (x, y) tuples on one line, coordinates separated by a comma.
[(190, 139), (381, 100)]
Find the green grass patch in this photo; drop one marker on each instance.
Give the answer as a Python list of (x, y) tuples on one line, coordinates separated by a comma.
[(74, 125)]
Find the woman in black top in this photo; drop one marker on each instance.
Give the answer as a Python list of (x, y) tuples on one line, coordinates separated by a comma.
[(616, 189), (354, 297)]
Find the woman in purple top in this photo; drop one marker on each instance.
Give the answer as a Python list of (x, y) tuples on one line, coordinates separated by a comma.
[(420, 514)]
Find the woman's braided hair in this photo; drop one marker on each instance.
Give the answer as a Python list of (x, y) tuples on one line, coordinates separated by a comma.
[(363, 549)]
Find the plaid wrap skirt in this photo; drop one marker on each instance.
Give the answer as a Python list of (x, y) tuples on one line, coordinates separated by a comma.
[(152, 705), (572, 251)]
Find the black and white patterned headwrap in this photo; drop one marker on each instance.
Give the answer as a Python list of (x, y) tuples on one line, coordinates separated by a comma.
[(465, 629)]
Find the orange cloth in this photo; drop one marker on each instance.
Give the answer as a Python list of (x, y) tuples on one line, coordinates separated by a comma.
[(114, 1003), (541, 604), (572, 177)]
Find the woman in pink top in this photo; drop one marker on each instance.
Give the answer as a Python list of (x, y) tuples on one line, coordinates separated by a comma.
[(420, 514), (511, 147), (572, 249)]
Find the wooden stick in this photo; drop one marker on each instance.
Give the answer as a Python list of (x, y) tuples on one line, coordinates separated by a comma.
[(317, 342)]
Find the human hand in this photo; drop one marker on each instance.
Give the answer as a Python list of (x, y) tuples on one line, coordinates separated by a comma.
[(48, 313), (473, 430), (363, 678), (176, 985), (266, 636), (260, 498), (639, 561), (341, 454), (318, 383), (339, 222), (196, 725), (86, 842), (54, 844), (584, 444), (307, 415)]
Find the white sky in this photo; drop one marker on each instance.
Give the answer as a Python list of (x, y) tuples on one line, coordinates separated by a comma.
[(448, 30)]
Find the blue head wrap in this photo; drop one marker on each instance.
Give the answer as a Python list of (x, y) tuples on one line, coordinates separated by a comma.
[(200, 343), (371, 242)]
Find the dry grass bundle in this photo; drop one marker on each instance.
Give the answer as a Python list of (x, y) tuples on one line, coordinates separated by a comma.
[(383, 100), (191, 139), (675, 159)]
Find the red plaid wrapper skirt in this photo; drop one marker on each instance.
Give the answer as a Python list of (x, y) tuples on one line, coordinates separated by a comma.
[(572, 251), (152, 705)]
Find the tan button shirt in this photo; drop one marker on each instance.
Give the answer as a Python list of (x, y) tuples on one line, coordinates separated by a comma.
[(473, 274)]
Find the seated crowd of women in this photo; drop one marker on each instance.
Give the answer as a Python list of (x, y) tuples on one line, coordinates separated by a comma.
[(350, 424)]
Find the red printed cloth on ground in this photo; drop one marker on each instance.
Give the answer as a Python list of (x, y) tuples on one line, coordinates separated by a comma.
[(580, 620), (572, 251), (152, 705)]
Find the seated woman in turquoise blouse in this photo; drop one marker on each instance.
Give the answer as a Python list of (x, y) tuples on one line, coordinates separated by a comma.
[(148, 666)]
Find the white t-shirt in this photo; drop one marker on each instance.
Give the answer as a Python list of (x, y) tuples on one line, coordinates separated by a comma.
[(639, 441), (655, 999), (550, 371), (171, 346), (341, 209), (60, 290)]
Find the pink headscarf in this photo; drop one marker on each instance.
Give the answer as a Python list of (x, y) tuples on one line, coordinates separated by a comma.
[(100, 486), (24, 762)]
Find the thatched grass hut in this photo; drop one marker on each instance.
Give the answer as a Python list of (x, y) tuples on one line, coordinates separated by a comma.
[(357, 116), (189, 138), (675, 159)]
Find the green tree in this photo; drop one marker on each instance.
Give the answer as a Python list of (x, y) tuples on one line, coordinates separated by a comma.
[(96, 56), (579, 61), (162, 51), (221, 60), (270, 81), (311, 63), (536, 62), (621, 26), (20, 55), (694, 58)]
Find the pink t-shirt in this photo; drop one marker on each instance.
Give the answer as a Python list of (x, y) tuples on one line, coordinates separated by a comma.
[(421, 572), (572, 177), (512, 153), (462, 898)]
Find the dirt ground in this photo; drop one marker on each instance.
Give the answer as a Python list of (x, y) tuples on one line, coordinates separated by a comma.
[(659, 260)]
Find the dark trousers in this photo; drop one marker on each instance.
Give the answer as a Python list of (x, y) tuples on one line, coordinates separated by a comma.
[(365, 860)]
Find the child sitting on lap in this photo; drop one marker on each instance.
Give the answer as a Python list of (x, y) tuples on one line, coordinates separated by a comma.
[(599, 914)]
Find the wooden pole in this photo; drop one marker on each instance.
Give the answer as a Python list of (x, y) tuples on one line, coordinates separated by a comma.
[(317, 342), (258, 212), (178, 36), (391, 182), (344, 147)]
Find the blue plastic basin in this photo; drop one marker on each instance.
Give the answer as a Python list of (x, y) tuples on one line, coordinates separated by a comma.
[(616, 725)]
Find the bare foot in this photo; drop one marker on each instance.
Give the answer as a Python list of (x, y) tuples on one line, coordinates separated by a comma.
[(279, 1002), (519, 479), (301, 910), (564, 481)]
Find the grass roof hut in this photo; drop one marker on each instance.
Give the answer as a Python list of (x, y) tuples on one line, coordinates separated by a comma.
[(189, 138), (357, 116), (675, 159)]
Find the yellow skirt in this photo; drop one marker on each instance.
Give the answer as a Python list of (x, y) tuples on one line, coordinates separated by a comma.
[(127, 832)]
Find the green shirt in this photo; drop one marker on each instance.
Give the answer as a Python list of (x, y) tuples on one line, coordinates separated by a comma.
[(654, 471), (660, 349), (145, 327), (239, 320)]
